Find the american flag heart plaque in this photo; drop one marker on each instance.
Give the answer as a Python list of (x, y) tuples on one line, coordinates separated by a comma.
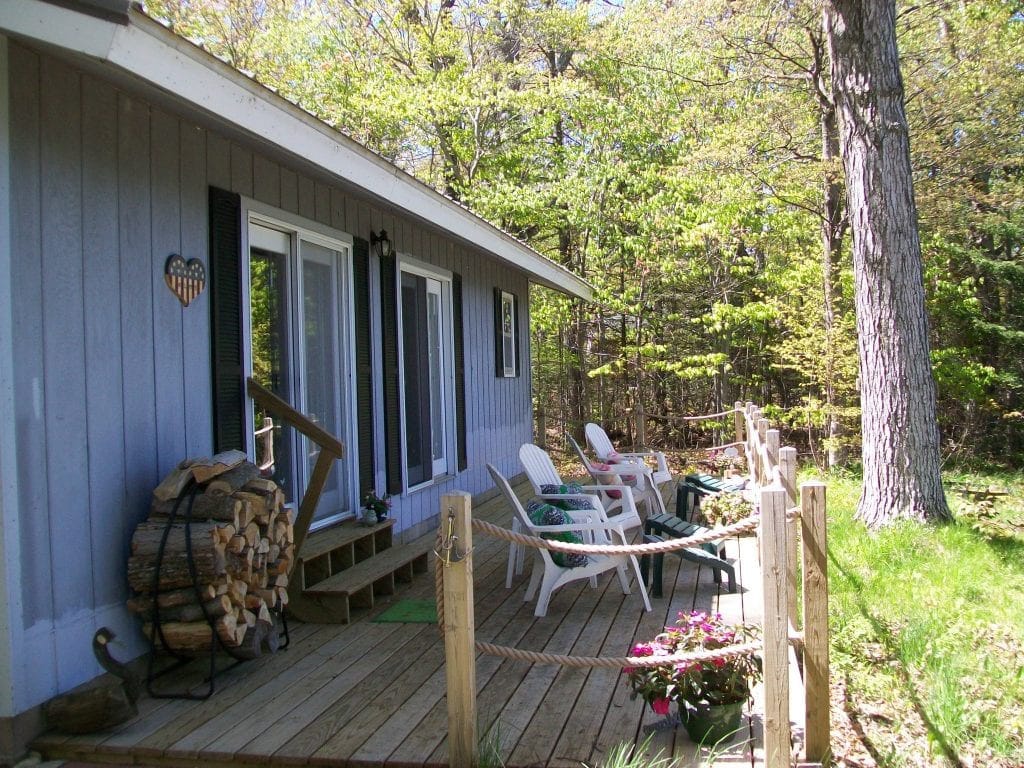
[(186, 279)]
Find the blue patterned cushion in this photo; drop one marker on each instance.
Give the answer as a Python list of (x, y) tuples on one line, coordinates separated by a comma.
[(542, 514), (567, 488)]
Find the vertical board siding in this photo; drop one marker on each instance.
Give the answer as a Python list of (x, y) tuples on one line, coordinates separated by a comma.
[(64, 335), (195, 352), (241, 170), (266, 181), (136, 294), (112, 375), (289, 191), (167, 310), (102, 277), (27, 301)]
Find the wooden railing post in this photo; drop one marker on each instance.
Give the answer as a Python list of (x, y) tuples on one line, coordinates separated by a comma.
[(787, 474), (753, 457), (737, 421), (776, 629), (762, 440), (816, 673), (459, 629), (771, 444)]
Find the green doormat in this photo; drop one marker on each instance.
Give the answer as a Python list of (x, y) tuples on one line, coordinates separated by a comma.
[(410, 611)]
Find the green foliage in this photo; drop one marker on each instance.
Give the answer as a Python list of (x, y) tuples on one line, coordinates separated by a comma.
[(672, 155)]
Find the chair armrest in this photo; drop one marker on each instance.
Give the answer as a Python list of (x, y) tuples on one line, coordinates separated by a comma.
[(638, 462), (594, 509), (573, 527), (627, 499)]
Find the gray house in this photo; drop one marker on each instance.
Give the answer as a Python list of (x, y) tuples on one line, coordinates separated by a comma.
[(138, 173)]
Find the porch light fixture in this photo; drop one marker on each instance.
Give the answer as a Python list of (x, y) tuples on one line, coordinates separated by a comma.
[(382, 242)]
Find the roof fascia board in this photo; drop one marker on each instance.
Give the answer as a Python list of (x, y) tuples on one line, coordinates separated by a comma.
[(166, 61)]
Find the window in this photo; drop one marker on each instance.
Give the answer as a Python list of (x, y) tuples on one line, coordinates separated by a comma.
[(506, 334), (427, 373), (299, 346)]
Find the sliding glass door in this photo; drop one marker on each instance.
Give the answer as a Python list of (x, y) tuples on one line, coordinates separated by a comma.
[(300, 350)]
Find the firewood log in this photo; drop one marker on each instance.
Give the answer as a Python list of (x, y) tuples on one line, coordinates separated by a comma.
[(172, 486), (205, 507), (174, 572), (204, 470), (233, 479), (195, 636), (147, 537), (173, 598), (215, 608)]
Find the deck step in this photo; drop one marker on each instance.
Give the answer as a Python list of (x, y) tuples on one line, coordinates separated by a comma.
[(346, 567), (396, 564)]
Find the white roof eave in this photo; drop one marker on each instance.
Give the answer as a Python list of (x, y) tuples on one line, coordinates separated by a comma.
[(155, 55)]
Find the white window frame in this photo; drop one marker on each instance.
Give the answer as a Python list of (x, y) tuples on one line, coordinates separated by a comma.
[(405, 263), (299, 229)]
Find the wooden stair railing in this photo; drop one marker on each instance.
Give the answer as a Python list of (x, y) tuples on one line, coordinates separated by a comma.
[(331, 449)]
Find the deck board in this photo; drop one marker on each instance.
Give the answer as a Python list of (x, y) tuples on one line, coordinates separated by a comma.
[(374, 693)]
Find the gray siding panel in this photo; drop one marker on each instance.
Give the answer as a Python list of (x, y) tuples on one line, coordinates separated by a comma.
[(195, 360), (137, 348), (64, 336), (266, 181), (165, 206), (103, 338), (241, 170), (289, 191), (218, 162), (27, 300)]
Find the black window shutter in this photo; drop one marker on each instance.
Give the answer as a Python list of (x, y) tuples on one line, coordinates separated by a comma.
[(226, 320), (499, 359), (392, 405), (518, 330), (364, 363), (460, 372)]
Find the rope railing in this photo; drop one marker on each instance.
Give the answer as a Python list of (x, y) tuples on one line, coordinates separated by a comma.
[(705, 417), (612, 662), (650, 548)]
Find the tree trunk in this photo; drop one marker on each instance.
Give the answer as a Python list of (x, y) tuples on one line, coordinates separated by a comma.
[(902, 477)]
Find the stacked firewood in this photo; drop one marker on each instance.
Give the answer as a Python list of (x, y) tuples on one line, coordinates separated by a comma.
[(242, 549)]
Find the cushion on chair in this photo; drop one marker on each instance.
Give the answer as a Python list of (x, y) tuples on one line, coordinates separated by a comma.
[(616, 459), (541, 514), (566, 488), (612, 494)]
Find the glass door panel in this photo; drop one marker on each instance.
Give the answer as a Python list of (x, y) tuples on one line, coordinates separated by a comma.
[(436, 364), (323, 375), (416, 377), (269, 309)]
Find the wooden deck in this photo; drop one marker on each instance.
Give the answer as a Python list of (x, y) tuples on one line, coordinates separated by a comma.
[(373, 693)]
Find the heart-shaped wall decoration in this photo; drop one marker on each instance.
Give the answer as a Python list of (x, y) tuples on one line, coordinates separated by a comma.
[(186, 279)]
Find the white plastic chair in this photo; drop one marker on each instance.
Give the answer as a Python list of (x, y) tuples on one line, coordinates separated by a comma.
[(549, 576), (603, 449), (604, 498), (643, 490)]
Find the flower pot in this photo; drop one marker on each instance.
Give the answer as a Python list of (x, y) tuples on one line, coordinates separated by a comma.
[(711, 724), (369, 517)]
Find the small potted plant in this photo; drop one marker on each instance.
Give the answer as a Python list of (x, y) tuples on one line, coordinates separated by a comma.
[(710, 694), (725, 509), (376, 507)]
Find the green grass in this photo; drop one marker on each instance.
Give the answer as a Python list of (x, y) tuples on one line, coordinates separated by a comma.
[(928, 630)]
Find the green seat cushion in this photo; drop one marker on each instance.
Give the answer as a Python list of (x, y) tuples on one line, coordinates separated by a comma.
[(542, 514)]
